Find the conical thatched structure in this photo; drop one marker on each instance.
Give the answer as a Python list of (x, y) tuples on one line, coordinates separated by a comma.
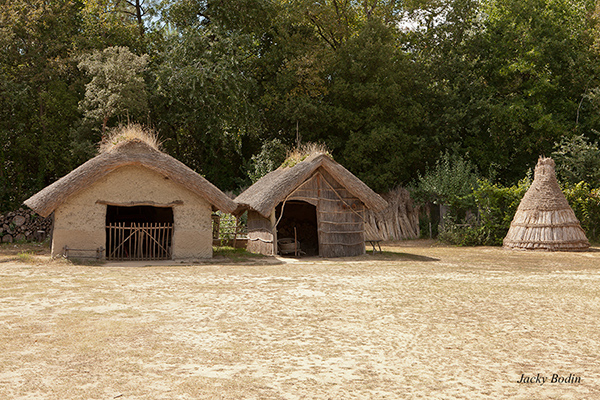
[(544, 219)]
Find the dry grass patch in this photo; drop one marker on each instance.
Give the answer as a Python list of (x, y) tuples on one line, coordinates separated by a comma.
[(413, 322)]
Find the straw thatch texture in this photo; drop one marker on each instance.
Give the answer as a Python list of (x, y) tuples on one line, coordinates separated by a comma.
[(399, 220), (544, 219), (126, 133), (261, 239), (131, 152), (339, 198), (274, 187)]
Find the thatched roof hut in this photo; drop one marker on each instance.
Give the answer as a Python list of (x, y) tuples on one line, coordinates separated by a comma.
[(132, 183), (316, 202), (544, 220)]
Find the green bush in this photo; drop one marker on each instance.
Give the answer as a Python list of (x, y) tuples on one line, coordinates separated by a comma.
[(450, 182), (228, 226), (497, 206), (462, 234), (577, 160), (585, 202)]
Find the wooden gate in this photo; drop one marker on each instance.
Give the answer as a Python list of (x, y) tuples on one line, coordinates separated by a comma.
[(138, 241)]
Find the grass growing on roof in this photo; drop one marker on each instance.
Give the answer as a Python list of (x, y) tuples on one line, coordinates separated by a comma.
[(301, 153), (125, 133)]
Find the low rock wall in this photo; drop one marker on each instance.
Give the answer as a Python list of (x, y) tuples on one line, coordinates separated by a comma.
[(24, 224)]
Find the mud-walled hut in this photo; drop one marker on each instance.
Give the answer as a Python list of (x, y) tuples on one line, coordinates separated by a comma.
[(544, 219), (315, 207), (132, 202)]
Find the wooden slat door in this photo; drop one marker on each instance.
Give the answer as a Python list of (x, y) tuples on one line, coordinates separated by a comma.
[(139, 241)]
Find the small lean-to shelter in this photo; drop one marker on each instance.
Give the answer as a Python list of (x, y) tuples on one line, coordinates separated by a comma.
[(316, 203), (544, 220), (132, 202)]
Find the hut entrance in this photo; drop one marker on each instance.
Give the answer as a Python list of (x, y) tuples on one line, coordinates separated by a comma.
[(139, 233), (299, 221)]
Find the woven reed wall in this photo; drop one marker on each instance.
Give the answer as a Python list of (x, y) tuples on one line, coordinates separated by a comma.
[(260, 234), (340, 219), (340, 215)]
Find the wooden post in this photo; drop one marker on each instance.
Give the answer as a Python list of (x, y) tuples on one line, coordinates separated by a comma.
[(295, 243), (235, 232)]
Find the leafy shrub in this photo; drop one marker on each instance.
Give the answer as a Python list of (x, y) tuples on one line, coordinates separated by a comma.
[(577, 160), (450, 182), (462, 234), (497, 206), (228, 226), (272, 154), (585, 202)]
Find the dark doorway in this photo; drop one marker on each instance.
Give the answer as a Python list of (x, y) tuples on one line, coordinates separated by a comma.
[(299, 221), (138, 233), (139, 214)]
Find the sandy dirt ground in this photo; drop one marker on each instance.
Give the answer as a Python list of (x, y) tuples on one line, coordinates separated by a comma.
[(419, 321)]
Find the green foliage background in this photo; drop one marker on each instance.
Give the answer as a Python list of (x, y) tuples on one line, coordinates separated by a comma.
[(386, 85), (585, 202)]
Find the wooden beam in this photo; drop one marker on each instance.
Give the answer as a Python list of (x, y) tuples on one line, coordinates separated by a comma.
[(141, 203)]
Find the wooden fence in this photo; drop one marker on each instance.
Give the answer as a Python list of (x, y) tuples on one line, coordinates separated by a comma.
[(139, 241)]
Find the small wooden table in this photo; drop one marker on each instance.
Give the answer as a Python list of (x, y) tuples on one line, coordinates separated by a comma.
[(376, 244)]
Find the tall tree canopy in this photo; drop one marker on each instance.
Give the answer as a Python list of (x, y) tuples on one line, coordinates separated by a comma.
[(388, 86)]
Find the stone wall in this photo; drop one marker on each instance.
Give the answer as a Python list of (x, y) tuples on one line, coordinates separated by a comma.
[(24, 224)]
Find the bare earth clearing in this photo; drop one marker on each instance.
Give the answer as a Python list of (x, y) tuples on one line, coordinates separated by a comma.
[(417, 322)]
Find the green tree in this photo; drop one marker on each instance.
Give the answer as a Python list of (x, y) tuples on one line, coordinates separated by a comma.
[(201, 86), (38, 94), (117, 88), (509, 77), (336, 72), (375, 108), (577, 160), (271, 156), (113, 23), (451, 182)]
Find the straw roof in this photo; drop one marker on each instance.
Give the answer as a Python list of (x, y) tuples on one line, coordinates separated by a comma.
[(125, 133), (544, 220), (274, 187), (130, 152)]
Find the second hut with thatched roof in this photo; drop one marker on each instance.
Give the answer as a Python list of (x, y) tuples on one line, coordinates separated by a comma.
[(132, 202), (544, 220), (315, 207)]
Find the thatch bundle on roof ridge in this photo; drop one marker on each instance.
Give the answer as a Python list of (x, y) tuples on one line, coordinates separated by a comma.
[(303, 152), (544, 220), (125, 133)]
